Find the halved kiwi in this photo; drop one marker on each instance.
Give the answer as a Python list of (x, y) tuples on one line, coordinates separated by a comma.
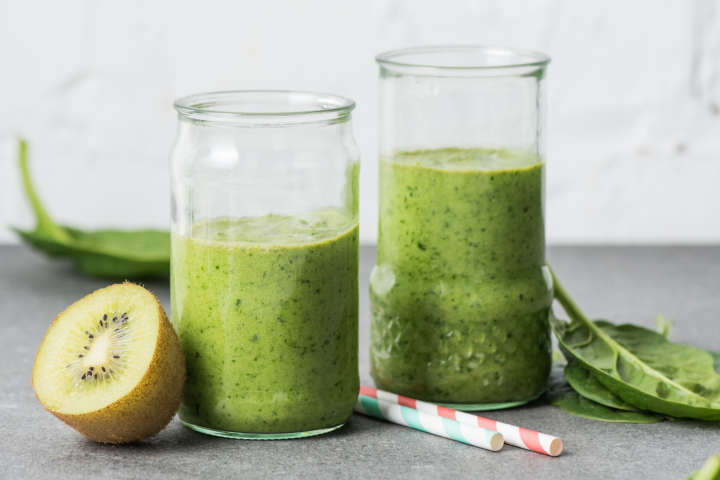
[(111, 366)]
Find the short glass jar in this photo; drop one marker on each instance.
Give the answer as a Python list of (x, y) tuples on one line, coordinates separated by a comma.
[(264, 283), (461, 292)]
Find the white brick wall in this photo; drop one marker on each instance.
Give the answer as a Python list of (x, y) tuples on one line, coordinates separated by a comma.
[(633, 117)]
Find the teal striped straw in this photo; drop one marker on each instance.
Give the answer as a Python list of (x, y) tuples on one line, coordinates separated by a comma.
[(440, 426)]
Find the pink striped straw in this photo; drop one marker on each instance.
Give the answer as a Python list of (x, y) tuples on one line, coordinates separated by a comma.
[(515, 436)]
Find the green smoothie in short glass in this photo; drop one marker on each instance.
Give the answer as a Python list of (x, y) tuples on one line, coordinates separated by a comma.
[(267, 313), (461, 293)]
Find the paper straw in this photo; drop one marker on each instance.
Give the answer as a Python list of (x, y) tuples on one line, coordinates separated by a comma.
[(515, 436), (443, 427)]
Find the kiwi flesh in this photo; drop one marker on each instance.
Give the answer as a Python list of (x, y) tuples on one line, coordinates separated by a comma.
[(111, 366)]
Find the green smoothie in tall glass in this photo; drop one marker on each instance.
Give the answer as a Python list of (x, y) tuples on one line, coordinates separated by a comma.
[(461, 293), (267, 313)]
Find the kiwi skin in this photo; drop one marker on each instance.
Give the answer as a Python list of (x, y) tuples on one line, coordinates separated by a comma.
[(150, 406)]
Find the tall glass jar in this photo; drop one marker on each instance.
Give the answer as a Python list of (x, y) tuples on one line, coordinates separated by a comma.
[(264, 280), (461, 292)]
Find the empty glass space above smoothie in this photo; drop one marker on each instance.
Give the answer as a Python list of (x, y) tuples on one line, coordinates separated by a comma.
[(460, 294), (264, 284)]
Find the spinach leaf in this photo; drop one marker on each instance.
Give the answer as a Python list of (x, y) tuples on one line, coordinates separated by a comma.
[(716, 361), (664, 326), (584, 383), (710, 471), (640, 366), (575, 404), (561, 395), (103, 253)]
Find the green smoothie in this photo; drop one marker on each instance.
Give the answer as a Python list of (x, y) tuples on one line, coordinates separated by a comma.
[(267, 313), (461, 293)]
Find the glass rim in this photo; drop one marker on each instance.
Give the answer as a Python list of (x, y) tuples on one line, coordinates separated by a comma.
[(390, 57), (209, 106)]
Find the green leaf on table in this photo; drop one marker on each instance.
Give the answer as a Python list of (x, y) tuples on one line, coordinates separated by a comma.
[(584, 383), (560, 394), (640, 366), (103, 253), (710, 471), (664, 326), (716, 361), (575, 404)]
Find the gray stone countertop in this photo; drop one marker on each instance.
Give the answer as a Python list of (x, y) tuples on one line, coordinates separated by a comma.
[(624, 284)]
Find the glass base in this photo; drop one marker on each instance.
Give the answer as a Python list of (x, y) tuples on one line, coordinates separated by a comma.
[(479, 407), (259, 436)]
